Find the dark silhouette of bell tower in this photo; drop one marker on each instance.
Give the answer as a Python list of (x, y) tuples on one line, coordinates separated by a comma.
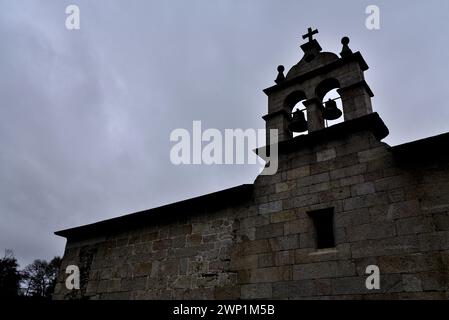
[(309, 81)]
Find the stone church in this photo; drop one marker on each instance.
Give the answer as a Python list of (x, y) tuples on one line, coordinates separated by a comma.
[(341, 202)]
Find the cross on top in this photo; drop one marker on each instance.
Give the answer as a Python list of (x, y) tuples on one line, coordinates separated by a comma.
[(310, 34)]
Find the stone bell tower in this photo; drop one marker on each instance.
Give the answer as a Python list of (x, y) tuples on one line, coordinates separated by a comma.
[(311, 79)]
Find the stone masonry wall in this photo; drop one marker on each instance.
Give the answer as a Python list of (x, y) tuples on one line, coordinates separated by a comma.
[(186, 259), (387, 214)]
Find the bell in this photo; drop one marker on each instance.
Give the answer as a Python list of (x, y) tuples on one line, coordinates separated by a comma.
[(331, 112), (298, 122)]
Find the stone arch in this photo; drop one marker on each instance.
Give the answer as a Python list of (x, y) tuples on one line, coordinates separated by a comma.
[(291, 102), (293, 98), (325, 86), (329, 89)]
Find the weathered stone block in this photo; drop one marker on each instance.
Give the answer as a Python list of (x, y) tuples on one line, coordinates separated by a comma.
[(387, 246), (270, 207), (393, 182), (365, 201), (352, 180), (330, 269), (349, 285), (247, 222), (404, 209), (298, 172), (116, 295), (256, 291), (282, 258), (297, 226), (284, 243), (373, 154), (441, 221), (282, 187), (253, 247), (321, 167), (396, 195), (194, 267), (334, 194), (282, 216), (244, 262), (178, 242), (375, 230), (281, 290), (326, 155), (409, 263), (314, 179), (161, 244), (132, 284), (142, 269), (183, 282), (348, 171), (307, 240), (266, 260), (302, 201), (352, 218), (270, 231), (433, 280), (169, 267), (194, 239), (294, 289), (270, 274), (324, 186), (150, 236), (362, 189), (227, 293), (411, 282), (414, 225), (178, 230)]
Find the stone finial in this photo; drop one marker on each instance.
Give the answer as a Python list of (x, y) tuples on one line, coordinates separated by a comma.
[(280, 78), (345, 51)]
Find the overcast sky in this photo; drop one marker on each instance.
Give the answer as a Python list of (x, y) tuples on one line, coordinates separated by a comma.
[(86, 115)]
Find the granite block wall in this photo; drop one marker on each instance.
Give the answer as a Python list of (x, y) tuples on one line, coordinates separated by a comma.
[(386, 212)]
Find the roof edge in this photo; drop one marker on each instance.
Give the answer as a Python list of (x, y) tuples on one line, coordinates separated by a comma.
[(240, 192), (426, 149)]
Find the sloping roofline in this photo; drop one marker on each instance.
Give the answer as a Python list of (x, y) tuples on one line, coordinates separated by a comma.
[(423, 150), (169, 211)]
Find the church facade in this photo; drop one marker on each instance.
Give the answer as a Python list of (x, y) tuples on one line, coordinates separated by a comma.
[(342, 209)]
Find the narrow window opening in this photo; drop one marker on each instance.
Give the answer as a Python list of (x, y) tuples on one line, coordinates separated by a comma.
[(323, 222)]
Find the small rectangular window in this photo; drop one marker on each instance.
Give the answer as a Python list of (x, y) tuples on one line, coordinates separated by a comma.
[(323, 222)]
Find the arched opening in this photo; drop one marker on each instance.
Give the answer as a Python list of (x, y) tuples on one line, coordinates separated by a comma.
[(327, 90), (333, 95), (294, 103)]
